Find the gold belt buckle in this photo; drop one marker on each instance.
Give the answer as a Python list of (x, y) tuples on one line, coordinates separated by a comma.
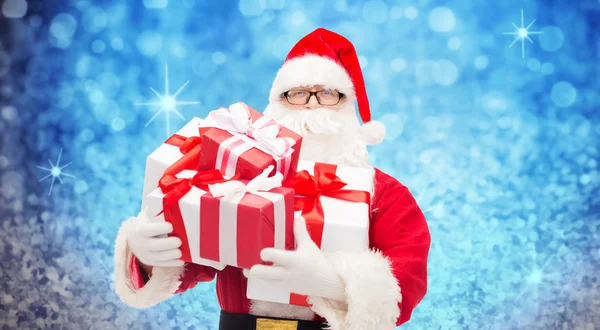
[(269, 324)]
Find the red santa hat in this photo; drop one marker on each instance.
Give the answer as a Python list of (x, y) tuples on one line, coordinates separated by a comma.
[(326, 58)]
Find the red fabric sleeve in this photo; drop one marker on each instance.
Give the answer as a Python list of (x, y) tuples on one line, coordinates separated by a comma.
[(195, 274), (400, 231), (192, 275), (137, 279)]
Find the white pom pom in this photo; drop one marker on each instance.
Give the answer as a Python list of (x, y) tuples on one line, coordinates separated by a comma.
[(373, 132)]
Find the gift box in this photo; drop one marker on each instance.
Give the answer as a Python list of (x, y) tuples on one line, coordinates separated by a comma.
[(224, 221), (247, 142), (335, 202), (179, 152)]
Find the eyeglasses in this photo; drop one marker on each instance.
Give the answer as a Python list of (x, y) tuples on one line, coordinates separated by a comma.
[(326, 97)]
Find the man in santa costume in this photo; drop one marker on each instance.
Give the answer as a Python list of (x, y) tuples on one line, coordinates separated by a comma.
[(313, 94)]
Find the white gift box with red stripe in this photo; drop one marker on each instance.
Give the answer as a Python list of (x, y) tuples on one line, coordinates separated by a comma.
[(168, 154), (345, 200), (228, 228)]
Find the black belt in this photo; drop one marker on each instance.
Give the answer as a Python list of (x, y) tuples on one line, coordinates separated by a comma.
[(234, 321)]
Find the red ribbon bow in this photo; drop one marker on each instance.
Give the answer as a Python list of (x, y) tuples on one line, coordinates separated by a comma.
[(175, 188), (323, 183)]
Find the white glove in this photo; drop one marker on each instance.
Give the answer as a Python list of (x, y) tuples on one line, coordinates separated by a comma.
[(145, 241), (304, 271)]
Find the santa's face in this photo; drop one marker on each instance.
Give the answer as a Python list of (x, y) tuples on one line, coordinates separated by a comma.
[(330, 132)]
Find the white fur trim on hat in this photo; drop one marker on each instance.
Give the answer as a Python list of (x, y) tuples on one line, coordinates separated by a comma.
[(161, 286), (372, 293), (373, 132), (310, 70)]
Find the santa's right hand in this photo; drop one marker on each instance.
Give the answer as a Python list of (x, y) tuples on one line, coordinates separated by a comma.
[(149, 243)]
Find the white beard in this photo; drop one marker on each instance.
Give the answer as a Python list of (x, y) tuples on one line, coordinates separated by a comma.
[(328, 136)]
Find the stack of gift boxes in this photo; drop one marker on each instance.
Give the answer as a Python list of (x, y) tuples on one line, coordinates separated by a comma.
[(230, 185)]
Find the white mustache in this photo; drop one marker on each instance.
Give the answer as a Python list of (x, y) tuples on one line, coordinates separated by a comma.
[(331, 136), (318, 121)]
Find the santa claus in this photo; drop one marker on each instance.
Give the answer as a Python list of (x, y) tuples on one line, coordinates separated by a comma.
[(313, 94)]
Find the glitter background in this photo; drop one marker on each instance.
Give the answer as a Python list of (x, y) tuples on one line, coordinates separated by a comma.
[(500, 150)]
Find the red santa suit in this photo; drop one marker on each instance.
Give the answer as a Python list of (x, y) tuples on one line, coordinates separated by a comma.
[(382, 285)]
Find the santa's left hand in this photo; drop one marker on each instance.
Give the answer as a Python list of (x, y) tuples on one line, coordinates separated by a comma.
[(304, 271)]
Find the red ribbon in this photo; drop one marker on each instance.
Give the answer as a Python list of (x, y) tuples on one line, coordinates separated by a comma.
[(190, 148)]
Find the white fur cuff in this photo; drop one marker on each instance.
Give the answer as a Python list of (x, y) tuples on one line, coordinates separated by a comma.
[(163, 282), (372, 293)]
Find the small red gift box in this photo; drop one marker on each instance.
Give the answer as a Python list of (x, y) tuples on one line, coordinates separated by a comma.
[(222, 221), (247, 142)]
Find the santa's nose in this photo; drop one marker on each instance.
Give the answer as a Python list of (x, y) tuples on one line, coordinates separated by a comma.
[(313, 103)]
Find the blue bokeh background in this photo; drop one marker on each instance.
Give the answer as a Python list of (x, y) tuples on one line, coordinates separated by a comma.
[(500, 148)]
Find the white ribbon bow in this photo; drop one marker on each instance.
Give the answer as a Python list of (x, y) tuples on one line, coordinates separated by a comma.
[(237, 119), (235, 190)]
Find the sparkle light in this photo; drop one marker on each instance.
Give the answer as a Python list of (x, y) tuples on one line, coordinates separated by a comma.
[(166, 102), (522, 33), (55, 171), (537, 277)]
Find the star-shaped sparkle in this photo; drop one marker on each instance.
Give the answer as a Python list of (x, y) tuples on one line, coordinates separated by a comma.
[(166, 102), (535, 279), (55, 171), (522, 33)]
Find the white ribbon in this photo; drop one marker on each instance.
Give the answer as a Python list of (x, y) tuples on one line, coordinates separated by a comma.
[(237, 119), (235, 190)]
